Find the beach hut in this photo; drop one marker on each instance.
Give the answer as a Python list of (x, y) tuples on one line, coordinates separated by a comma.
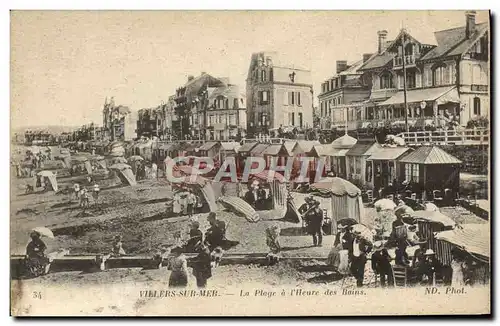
[(430, 222), (471, 239), (124, 172), (432, 169), (345, 199), (210, 149), (357, 165), (341, 146), (277, 153), (277, 188), (243, 154), (229, 149), (384, 165)]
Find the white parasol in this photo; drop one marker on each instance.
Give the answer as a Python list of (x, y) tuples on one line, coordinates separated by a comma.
[(384, 204), (44, 232)]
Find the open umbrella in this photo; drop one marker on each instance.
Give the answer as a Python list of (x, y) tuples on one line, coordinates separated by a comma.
[(384, 204), (134, 158), (402, 210), (44, 232), (364, 232), (347, 221)]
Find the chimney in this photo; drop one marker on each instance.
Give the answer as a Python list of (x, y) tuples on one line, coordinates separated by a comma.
[(341, 66), (470, 23), (366, 56), (382, 37), (190, 78)]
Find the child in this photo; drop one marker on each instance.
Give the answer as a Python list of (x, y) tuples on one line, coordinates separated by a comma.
[(95, 193), (202, 267), (272, 240), (118, 246)]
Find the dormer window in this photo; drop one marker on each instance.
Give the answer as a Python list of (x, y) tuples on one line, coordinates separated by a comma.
[(263, 76), (386, 80)]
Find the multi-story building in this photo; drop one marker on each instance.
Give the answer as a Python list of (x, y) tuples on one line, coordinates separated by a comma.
[(119, 122), (277, 94), (169, 115), (210, 108), (447, 81), (226, 117), (347, 86), (150, 122)]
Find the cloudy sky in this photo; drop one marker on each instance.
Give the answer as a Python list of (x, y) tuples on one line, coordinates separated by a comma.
[(64, 64)]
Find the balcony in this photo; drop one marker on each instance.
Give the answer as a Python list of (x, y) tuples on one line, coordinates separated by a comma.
[(479, 88), (409, 60)]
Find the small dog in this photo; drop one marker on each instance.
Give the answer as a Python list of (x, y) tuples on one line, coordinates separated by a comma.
[(29, 189), (216, 255)]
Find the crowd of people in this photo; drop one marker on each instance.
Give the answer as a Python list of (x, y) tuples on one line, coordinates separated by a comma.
[(81, 194)]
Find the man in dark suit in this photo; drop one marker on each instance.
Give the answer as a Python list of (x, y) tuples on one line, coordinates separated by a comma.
[(360, 247), (381, 263), (313, 217)]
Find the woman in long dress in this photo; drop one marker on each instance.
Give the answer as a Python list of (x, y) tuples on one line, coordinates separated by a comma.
[(178, 266), (36, 260)]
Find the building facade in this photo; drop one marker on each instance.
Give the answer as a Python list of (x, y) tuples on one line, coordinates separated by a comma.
[(151, 122), (347, 86), (209, 108), (277, 95), (119, 122), (447, 82)]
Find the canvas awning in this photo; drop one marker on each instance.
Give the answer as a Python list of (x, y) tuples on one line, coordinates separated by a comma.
[(473, 238), (441, 95), (388, 153)]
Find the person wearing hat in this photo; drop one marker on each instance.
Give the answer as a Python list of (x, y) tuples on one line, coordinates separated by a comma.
[(202, 267), (381, 263), (338, 257), (36, 260), (314, 219), (431, 266), (360, 248), (195, 237), (177, 264), (252, 195)]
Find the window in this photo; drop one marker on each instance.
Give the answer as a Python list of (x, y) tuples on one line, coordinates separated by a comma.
[(263, 76), (412, 172), (477, 106), (298, 99), (386, 80), (410, 79), (477, 75), (293, 119), (235, 104), (300, 120), (400, 82), (358, 165), (264, 97), (439, 75), (291, 98), (232, 119)]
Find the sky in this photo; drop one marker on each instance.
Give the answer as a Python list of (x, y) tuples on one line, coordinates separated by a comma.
[(65, 63)]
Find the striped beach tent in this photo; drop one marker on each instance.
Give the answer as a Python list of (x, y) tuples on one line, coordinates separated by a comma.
[(239, 207)]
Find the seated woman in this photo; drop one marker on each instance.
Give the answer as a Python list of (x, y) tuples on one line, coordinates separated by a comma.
[(37, 262)]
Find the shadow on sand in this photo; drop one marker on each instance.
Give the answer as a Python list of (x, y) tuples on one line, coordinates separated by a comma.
[(325, 278), (293, 231)]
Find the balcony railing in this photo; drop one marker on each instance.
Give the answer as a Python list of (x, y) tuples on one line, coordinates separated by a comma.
[(475, 136), (479, 88), (409, 60)]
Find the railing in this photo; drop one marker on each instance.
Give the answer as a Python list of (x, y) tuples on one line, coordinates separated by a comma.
[(409, 60), (475, 136), (264, 140), (479, 88)]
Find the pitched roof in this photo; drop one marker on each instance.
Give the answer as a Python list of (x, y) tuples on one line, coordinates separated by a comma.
[(290, 145), (378, 61), (208, 146), (388, 153), (230, 146), (246, 147), (307, 145), (453, 41), (228, 91), (430, 155), (359, 149), (259, 149)]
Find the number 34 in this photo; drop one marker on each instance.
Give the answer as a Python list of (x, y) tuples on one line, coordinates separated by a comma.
[(37, 295)]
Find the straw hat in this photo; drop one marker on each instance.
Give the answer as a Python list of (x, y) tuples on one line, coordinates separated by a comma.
[(378, 245)]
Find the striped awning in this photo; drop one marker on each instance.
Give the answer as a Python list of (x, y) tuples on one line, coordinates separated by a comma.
[(473, 238)]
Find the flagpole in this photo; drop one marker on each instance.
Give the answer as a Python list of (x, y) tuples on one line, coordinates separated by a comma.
[(404, 81)]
